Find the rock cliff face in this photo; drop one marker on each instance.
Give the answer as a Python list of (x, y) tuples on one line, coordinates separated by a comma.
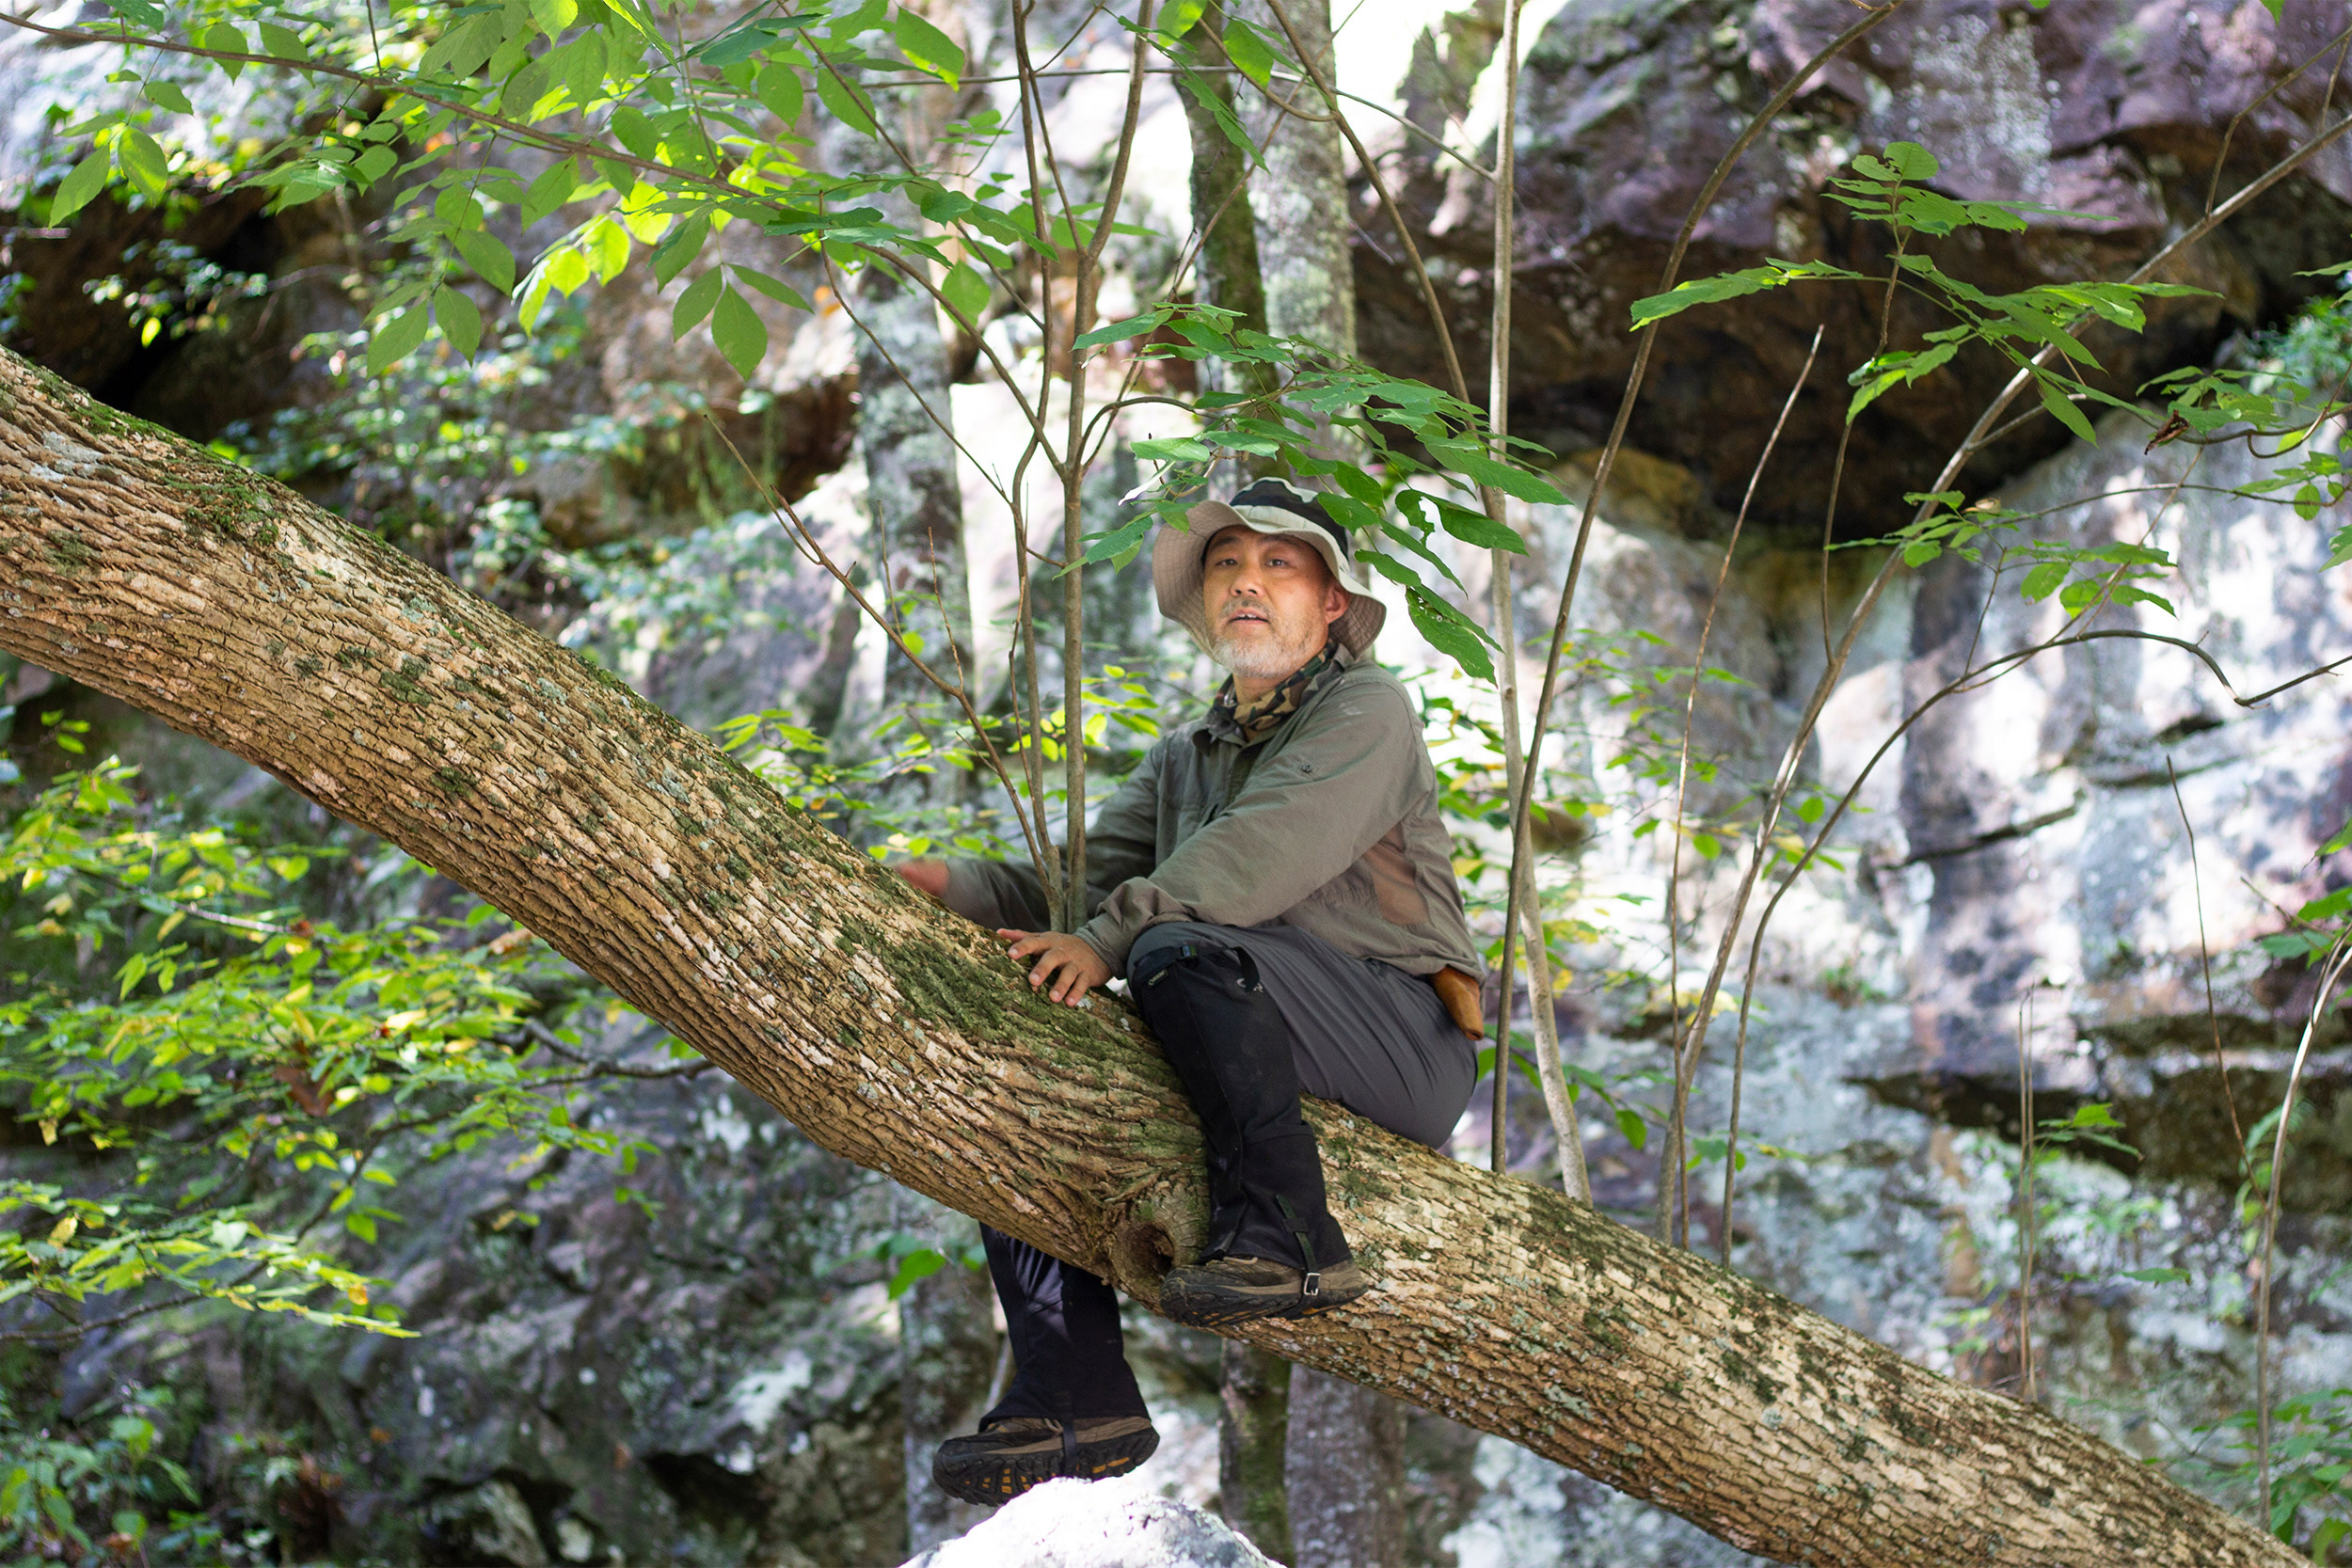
[(2019, 903), (2121, 116)]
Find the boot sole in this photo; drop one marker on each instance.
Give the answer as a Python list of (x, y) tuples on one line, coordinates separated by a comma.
[(1221, 1308), (988, 1479)]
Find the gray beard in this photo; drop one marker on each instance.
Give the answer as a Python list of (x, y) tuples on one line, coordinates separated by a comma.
[(1264, 662)]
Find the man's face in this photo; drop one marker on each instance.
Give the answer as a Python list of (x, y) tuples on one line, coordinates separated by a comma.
[(1269, 600)]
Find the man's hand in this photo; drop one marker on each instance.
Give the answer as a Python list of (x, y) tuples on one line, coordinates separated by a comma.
[(1064, 961)]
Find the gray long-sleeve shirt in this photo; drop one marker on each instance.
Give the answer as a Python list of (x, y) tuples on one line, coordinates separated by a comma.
[(1331, 827)]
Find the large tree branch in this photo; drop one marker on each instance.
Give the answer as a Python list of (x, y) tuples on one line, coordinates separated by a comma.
[(899, 1038)]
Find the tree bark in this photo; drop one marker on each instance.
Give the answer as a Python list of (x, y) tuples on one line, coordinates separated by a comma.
[(900, 1038), (1226, 269), (1252, 1439), (946, 1358), (1345, 1465), (1302, 205)]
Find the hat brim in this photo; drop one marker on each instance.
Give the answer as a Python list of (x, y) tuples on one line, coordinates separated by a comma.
[(1176, 570)]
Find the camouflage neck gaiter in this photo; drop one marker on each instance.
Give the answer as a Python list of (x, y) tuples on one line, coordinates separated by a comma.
[(1264, 716)]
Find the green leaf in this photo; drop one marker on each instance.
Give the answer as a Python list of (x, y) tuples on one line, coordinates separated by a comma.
[(462, 49), (397, 339), (864, 20), (167, 95), (2342, 838), (966, 292), (375, 164), (1118, 541), (843, 103), (774, 288), (678, 247), (77, 189), (915, 1266), (553, 16), (1484, 469), (488, 257), (1476, 528), (1731, 285), (928, 48), (552, 189), (1248, 51), (779, 90), (1636, 1131), (1451, 632), (1174, 449), (1912, 161), (1177, 20), (143, 160), (283, 43), (695, 303), (636, 133), (460, 320), (220, 36), (739, 333), (2062, 408), (2043, 581), (2328, 906), (1116, 332)]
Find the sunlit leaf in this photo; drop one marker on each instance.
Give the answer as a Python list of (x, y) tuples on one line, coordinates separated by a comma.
[(927, 48), (76, 190), (488, 255), (397, 339), (1248, 51)]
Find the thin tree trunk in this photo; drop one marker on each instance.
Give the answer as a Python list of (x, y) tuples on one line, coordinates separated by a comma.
[(1227, 266), (1301, 203), (1252, 1442), (894, 1036), (1309, 279), (1346, 1472), (946, 1357), (1254, 1392)]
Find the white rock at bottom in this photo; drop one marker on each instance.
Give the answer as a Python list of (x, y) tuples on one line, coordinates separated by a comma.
[(1097, 1524)]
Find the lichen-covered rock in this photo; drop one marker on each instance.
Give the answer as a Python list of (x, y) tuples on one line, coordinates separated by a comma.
[(1102, 1523)]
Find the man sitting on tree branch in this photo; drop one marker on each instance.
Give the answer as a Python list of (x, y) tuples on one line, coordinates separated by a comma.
[(1275, 884)]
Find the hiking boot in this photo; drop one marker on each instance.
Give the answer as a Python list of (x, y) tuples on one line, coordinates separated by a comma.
[(1005, 1458), (1241, 1289)]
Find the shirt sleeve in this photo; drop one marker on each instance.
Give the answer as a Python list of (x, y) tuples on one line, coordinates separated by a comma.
[(1307, 815), (1120, 845)]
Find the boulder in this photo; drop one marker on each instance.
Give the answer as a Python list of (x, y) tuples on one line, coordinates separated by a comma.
[(1099, 1524)]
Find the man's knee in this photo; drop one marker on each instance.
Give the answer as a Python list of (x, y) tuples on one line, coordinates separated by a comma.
[(1164, 945)]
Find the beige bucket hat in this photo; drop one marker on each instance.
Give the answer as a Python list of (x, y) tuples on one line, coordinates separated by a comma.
[(1263, 506)]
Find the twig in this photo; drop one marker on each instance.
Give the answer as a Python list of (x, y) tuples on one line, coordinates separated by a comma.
[(2204, 955), (602, 1068), (1683, 783), (2025, 1197), (783, 508), (2338, 956)]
